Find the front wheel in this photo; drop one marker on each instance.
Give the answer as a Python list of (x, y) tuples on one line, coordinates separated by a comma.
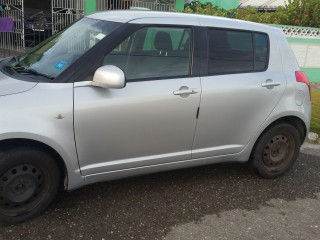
[(29, 180), (276, 150)]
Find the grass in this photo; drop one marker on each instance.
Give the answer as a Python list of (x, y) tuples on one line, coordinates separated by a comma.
[(315, 115)]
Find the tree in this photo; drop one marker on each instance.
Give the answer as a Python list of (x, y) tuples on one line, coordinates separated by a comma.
[(296, 12)]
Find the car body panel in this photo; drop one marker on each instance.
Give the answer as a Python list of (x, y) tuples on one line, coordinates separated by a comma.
[(233, 107), (132, 127), (13, 86), (160, 167), (167, 21), (44, 114), (229, 23)]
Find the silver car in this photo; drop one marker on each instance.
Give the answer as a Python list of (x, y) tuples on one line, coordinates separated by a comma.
[(124, 93)]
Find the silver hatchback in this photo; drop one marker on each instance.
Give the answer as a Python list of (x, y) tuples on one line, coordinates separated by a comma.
[(124, 93)]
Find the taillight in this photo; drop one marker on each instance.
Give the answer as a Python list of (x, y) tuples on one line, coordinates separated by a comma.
[(301, 77)]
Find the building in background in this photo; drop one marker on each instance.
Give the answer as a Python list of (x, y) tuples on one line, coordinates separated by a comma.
[(224, 4), (263, 5)]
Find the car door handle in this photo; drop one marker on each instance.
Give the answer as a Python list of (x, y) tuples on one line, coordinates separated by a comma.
[(185, 92), (269, 84)]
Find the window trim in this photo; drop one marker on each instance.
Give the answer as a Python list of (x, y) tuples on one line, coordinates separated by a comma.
[(254, 51), (193, 71), (78, 70), (78, 73), (268, 51)]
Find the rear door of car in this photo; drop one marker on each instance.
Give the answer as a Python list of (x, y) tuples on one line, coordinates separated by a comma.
[(241, 86)]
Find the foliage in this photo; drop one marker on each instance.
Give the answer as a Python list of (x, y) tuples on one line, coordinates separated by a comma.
[(296, 12), (303, 12), (315, 117), (206, 8)]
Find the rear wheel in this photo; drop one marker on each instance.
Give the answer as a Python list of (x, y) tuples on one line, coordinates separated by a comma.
[(276, 150), (29, 180)]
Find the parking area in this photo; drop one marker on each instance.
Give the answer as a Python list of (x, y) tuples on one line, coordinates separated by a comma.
[(224, 201)]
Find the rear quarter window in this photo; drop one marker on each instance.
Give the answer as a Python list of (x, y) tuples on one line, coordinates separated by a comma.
[(261, 51)]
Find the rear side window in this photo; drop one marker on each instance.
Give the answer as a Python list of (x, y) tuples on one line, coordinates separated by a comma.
[(237, 51)]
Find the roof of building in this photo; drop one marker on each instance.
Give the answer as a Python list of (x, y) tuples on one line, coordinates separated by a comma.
[(263, 4)]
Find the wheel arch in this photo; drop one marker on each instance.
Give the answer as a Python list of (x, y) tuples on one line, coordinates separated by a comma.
[(295, 121), (16, 142)]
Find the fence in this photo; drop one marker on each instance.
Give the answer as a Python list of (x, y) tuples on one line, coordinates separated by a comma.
[(305, 43), (29, 31), (65, 12), (13, 41), (103, 5)]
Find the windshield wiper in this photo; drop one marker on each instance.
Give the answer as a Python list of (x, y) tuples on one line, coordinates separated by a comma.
[(29, 71), (35, 72), (13, 69)]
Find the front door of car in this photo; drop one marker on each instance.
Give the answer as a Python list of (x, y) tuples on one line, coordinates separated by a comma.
[(244, 83), (153, 118)]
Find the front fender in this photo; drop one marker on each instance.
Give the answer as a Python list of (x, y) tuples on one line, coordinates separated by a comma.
[(44, 114)]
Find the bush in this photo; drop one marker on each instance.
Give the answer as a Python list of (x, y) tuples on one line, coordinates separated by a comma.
[(206, 8), (297, 12), (303, 13)]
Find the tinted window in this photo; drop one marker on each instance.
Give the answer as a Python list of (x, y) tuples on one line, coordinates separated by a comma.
[(236, 51), (153, 52), (261, 51)]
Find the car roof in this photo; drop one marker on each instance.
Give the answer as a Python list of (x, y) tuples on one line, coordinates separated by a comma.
[(125, 16)]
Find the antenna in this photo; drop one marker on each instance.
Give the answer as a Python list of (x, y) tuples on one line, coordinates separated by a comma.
[(230, 15)]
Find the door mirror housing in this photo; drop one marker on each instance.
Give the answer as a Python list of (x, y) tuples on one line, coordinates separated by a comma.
[(109, 76)]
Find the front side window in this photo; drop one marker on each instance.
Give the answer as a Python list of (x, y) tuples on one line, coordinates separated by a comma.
[(153, 52), (237, 51), (54, 55)]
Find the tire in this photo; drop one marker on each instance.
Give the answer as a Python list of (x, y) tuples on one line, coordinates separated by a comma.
[(29, 180), (276, 150)]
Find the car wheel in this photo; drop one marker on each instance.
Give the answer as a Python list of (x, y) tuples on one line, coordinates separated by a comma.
[(276, 150), (29, 180)]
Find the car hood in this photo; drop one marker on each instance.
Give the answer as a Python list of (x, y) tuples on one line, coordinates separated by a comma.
[(10, 85)]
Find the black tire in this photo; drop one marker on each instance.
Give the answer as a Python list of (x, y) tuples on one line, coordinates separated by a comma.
[(276, 150), (29, 180)]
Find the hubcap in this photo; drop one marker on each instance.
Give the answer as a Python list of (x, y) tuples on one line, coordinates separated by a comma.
[(19, 185), (278, 152)]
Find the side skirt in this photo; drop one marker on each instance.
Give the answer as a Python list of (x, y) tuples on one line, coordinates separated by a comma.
[(124, 173)]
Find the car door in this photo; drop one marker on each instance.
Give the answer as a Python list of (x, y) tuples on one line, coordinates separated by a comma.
[(152, 119), (243, 84)]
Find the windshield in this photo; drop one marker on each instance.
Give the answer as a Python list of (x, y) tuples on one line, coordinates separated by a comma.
[(54, 55)]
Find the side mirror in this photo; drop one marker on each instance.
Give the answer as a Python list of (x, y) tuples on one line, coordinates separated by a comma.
[(109, 76)]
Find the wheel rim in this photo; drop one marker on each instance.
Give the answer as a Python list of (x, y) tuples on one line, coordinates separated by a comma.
[(278, 152), (20, 187)]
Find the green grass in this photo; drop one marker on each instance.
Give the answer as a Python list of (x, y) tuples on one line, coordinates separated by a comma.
[(315, 115)]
